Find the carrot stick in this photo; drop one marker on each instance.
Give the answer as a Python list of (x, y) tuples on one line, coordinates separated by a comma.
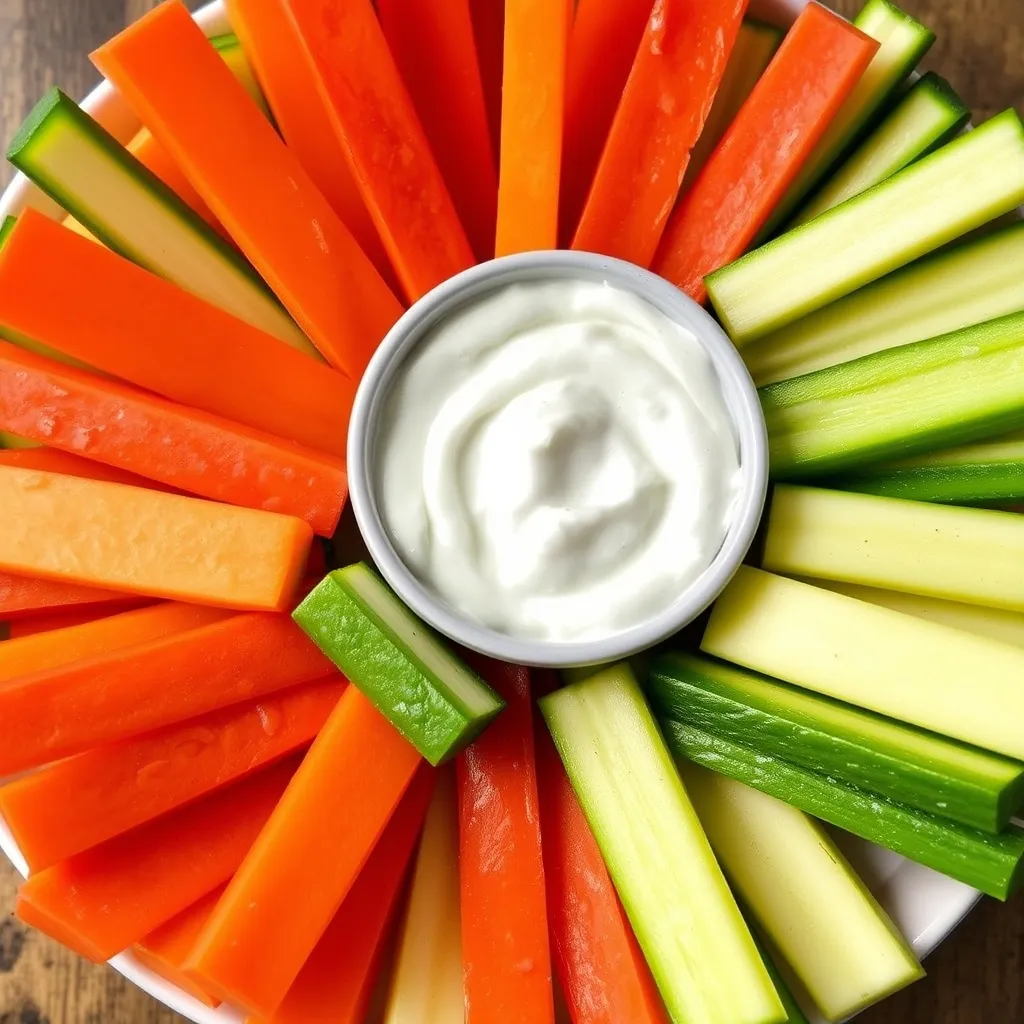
[(256, 187), (505, 954), (670, 89), (84, 301), (22, 595), (533, 98), (143, 542), (488, 18), (51, 460), (324, 830), (186, 448), (164, 950), (47, 622), (603, 42), (274, 47), (108, 898), (25, 656), (820, 61), (337, 980), (152, 155), (433, 45), (85, 800), (603, 974), (386, 144), (128, 692)]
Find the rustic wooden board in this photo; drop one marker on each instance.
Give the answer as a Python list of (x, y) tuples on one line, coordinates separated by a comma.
[(975, 978)]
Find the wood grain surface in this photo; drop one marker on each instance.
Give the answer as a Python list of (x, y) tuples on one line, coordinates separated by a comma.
[(977, 977)]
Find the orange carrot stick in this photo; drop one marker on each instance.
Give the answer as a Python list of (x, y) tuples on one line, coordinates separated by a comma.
[(820, 61), (27, 655), (670, 89), (75, 531), (83, 801), (488, 18), (25, 595), (63, 291), (186, 448), (387, 147), (337, 980), (51, 460), (47, 622), (128, 692), (603, 43), (164, 950), (433, 45), (256, 187), (506, 958), (153, 156), (324, 829), (603, 974), (533, 99), (108, 898), (272, 43)]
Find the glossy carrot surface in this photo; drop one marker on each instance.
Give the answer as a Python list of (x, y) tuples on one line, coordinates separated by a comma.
[(819, 62), (52, 460), (532, 110), (83, 801), (84, 301), (389, 151), (110, 897), (123, 693), (46, 622), (324, 829), (256, 187), (186, 448), (273, 45), (668, 94), (24, 595), (337, 980), (603, 43), (505, 952), (434, 47), (70, 533)]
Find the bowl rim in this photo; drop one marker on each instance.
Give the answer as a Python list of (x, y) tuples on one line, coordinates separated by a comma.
[(473, 285)]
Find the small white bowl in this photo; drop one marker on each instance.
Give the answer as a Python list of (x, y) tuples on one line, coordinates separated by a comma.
[(740, 399)]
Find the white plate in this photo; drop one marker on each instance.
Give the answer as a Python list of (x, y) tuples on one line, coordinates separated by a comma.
[(926, 906)]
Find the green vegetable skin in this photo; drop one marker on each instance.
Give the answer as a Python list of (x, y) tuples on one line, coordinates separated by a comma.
[(686, 921), (928, 115), (230, 48), (990, 863), (803, 895), (794, 1015), (917, 768), (987, 472), (903, 43), (976, 281), (92, 176), (965, 184), (6, 227), (436, 702), (962, 387)]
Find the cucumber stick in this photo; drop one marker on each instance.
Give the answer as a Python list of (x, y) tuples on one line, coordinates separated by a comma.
[(959, 554), (912, 767), (968, 182), (6, 227), (903, 42), (990, 863), (686, 921), (928, 115), (752, 52), (794, 1015), (995, 623), (955, 683), (107, 190), (803, 895), (962, 387), (979, 280), (229, 46), (986, 472), (434, 700)]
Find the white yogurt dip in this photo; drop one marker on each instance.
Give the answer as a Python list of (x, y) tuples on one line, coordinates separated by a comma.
[(557, 461)]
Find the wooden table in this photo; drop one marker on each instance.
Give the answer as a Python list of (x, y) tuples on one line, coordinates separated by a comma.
[(977, 977)]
